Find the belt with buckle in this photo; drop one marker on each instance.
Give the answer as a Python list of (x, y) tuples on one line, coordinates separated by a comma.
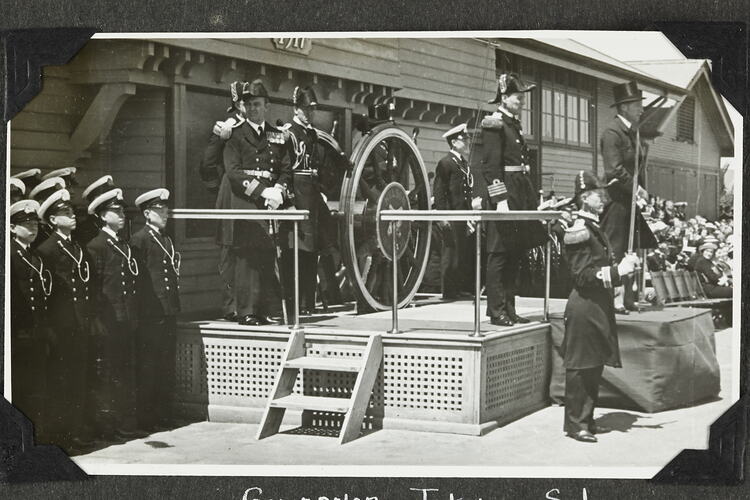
[(307, 171), (265, 174), (515, 168)]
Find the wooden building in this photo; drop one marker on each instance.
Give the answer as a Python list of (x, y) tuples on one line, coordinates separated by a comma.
[(142, 110)]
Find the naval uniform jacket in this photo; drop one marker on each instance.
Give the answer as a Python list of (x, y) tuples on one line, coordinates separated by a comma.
[(246, 158), (453, 184), (70, 303), (618, 152), (211, 168), (304, 164), (28, 302), (504, 146), (590, 330), (158, 282), (114, 286)]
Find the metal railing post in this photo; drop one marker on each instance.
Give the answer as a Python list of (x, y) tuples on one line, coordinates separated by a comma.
[(548, 271), (477, 278), (394, 306), (295, 326)]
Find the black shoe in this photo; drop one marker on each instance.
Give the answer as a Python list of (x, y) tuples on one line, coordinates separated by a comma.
[(305, 312), (128, 434), (621, 310), (230, 316), (583, 436), (599, 429), (519, 319), (501, 320), (272, 320), (250, 320)]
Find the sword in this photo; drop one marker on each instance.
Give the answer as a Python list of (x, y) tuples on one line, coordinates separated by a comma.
[(273, 230)]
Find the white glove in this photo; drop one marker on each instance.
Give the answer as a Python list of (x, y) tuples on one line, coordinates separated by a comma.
[(476, 203), (273, 197), (224, 129), (503, 206), (628, 264), (471, 226)]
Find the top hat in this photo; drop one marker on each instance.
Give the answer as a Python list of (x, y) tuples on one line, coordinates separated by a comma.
[(626, 92), (459, 131), (155, 197), (510, 83), (304, 97)]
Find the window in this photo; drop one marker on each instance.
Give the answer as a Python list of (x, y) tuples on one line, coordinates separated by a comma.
[(566, 116), (686, 120)]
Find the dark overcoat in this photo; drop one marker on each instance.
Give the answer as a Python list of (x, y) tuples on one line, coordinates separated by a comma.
[(503, 146), (453, 184), (245, 154), (113, 282), (590, 329), (70, 305), (158, 286), (28, 303), (618, 153)]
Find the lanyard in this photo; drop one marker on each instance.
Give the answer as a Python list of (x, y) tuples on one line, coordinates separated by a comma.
[(78, 262), (47, 289), (467, 173), (174, 257), (132, 264)]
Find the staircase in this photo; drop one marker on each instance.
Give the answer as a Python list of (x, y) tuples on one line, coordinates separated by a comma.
[(282, 396)]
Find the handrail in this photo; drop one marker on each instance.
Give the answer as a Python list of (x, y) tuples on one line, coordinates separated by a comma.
[(477, 216), (260, 215), (470, 215), (239, 214)]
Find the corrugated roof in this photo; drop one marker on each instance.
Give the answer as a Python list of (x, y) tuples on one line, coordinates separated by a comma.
[(677, 72)]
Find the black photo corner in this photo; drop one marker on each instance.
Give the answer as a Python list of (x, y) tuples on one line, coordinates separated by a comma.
[(25, 52)]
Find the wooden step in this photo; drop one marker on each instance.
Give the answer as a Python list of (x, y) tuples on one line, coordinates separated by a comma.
[(299, 402), (329, 364)]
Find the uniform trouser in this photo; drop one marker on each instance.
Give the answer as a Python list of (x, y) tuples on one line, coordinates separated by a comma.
[(113, 395), (254, 285), (502, 275), (226, 272), (67, 382), (456, 260), (28, 377), (581, 395), (308, 278), (155, 361)]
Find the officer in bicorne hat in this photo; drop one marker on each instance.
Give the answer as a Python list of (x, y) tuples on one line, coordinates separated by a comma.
[(30, 286), (70, 311), (158, 305), (257, 176), (39, 194), (590, 340), (618, 152), (30, 178), (113, 284), (17, 190), (452, 190), (305, 161), (503, 183)]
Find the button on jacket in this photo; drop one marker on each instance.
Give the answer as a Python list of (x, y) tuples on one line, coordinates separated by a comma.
[(158, 293), (27, 300), (114, 287)]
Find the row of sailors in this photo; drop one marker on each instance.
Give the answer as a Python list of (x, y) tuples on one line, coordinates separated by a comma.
[(92, 324)]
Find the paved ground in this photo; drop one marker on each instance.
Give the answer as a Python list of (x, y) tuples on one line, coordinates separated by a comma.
[(639, 445)]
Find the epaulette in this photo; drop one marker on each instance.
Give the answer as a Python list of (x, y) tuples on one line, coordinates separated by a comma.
[(235, 122), (577, 233), (490, 121)]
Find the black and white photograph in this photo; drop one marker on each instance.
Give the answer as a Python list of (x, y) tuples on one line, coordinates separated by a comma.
[(427, 254)]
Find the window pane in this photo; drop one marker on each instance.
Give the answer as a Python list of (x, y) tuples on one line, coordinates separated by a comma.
[(559, 108), (584, 115), (585, 133), (547, 113)]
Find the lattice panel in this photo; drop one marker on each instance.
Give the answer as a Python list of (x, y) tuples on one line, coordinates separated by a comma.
[(243, 370), (329, 384), (189, 370), (422, 381), (514, 376)]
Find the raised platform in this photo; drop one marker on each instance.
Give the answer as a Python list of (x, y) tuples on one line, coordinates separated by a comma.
[(435, 376)]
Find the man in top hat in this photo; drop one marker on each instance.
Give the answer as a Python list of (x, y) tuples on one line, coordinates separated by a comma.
[(618, 144), (302, 145), (257, 175), (70, 311), (30, 178), (39, 194), (17, 190), (30, 285), (452, 191), (590, 340), (113, 276), (158, 304), (503, 183)]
